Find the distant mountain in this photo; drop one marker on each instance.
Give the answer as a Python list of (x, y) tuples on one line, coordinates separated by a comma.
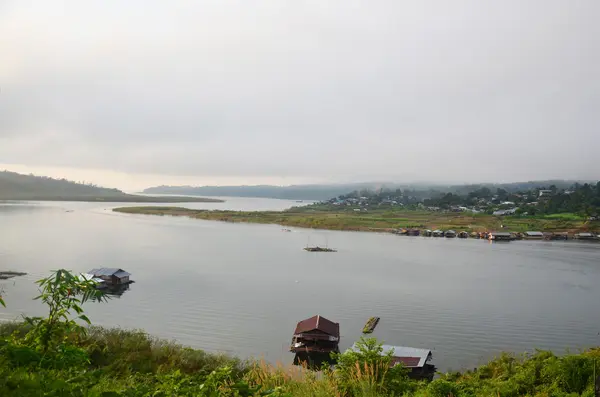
[(325, 192), (294, 192), (15, 186)]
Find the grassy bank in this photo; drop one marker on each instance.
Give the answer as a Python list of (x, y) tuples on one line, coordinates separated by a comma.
[(56, 356), (115, 362), (377, 220)]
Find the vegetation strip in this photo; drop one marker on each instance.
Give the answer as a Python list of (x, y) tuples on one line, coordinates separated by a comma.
[(381, 220)]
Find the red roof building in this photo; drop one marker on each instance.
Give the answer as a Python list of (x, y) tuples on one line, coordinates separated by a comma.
[(316, 334)]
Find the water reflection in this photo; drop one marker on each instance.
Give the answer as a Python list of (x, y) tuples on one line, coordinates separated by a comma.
[(116, 291)]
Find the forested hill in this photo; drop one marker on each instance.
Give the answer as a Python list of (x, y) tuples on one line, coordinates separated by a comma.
[(325, 192), (14, 186), (294, 192)]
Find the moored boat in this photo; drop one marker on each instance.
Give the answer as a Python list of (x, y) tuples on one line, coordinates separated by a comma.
[(500, 236), (450, 233)]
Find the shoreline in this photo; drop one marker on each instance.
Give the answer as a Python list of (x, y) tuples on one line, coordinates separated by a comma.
[(380, 221)]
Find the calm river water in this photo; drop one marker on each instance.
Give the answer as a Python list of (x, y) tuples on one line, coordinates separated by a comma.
[(241, 288)]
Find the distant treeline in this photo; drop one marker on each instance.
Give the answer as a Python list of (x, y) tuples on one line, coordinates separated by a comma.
[(14, 186), (325, 192), (577, 198), (294, 192)]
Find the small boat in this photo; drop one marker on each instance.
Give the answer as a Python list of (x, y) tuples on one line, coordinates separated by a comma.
[(437, 233), (319, 249), (370, 325), (556, 236), (463, 234), (285, 230), (427, 233), (450, 234)]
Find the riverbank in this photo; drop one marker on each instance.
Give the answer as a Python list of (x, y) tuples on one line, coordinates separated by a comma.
[(377, 220)]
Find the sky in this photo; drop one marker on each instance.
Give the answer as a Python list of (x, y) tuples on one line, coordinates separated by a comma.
[(219, 92)]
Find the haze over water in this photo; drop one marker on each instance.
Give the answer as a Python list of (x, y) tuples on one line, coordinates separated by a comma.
[(241, 288)]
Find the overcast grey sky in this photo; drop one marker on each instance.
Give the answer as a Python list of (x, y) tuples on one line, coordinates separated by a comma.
[(132, 93)]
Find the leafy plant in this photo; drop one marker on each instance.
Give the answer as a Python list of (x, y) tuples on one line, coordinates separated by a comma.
[(366, 368), (63, 293)]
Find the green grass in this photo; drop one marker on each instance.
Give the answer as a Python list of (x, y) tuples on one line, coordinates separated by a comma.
[(376, 220), (565, 216), (116, 362)]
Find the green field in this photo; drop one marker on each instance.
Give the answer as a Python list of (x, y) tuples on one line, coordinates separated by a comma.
[(379, 220)]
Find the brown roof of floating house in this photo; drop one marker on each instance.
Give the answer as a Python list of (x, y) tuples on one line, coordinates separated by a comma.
[(318, 323), (409, 362)]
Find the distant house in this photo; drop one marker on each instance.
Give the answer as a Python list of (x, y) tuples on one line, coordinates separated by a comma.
[(500, 236), (111, 275), (585, 236), (533, 235), (545, 193), (415, 359), (505, 212)]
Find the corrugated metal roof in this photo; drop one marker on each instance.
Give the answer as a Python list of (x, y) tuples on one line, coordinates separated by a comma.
[(535, 234), (410, 356), (403, 351), (109, 271), (91, 277), (318, 323), (500, 234)]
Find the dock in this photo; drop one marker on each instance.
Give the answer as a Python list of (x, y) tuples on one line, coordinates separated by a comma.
[(319, 249), (370, 325)]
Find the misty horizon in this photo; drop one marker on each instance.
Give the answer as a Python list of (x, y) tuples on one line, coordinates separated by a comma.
[(288, 93)]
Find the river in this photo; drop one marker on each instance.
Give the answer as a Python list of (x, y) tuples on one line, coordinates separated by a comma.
[(241, 288)]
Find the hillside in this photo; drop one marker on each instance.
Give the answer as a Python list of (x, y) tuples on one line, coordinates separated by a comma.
[(325, 192), (14, 186), (294, 192)]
